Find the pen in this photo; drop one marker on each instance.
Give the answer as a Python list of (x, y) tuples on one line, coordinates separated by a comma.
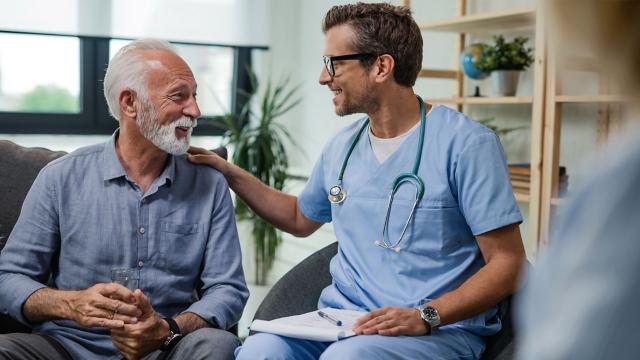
[(329, 318)]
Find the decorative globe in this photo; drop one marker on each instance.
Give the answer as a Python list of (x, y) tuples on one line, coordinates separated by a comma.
[(470, 58)]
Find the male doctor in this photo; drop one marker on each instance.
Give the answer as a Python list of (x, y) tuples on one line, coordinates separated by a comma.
[(431, 289)]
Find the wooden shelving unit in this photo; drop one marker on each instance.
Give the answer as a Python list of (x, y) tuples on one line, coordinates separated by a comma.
[(604, 99), (609, 110), (488, 22), (528, 19)]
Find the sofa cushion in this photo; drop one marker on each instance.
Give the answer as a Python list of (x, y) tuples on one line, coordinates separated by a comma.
[(19, 167)]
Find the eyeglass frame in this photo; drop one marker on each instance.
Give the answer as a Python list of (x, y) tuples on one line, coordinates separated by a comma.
[(328, 60)]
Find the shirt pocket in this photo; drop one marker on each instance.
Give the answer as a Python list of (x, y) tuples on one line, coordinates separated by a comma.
[(435, 230), (181, 245)]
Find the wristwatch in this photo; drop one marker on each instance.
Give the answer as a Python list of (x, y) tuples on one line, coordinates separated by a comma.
[(430, 316), (174, 335)]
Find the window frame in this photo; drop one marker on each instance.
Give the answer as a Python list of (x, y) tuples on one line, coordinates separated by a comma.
[(94, 117)]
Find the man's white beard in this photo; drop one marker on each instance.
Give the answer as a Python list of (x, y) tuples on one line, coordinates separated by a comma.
[(164, 136)]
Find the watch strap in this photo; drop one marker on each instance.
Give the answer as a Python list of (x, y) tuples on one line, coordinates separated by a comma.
[(174, 335)]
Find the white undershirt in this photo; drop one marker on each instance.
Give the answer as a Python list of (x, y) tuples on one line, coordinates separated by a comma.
[(383, 148)]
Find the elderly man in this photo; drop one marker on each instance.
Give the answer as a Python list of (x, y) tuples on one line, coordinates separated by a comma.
[(132, 205)]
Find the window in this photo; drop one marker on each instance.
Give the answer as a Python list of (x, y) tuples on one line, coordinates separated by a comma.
[(53, 83), (51, 86)]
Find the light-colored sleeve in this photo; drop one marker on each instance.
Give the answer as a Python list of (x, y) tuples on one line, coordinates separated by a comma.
[(484, 190), (313, 201), (582, 298), (223, 291), (25, 261)]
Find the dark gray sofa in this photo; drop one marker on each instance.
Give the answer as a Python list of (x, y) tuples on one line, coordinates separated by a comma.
[(18, 169), (299, 289)]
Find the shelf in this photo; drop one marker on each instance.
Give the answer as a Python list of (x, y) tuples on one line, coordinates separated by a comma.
[(438, 74), (483, 100), (592, 99), (521, 196), (485, 22)]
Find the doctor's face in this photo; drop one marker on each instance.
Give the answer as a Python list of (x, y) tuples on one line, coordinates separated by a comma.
[(350, 83)]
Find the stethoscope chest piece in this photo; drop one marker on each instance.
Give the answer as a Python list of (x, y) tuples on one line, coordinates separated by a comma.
[(337, 194)]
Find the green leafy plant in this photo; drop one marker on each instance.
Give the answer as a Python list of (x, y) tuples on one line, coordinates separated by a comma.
[(504, 55), (258, 142)]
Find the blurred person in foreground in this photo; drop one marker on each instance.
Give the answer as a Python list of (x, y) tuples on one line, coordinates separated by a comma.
[(132, 203), (581, 301)]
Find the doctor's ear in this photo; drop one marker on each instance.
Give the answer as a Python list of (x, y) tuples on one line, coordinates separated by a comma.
[(384, 66), (127, 101)]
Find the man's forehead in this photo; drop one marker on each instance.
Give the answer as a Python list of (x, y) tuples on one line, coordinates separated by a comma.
[(339, 39), (169, 66)]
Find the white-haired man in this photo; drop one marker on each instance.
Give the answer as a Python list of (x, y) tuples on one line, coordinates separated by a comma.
[(134, 204)]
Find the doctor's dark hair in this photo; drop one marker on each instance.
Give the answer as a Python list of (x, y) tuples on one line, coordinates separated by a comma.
[(382, 29)]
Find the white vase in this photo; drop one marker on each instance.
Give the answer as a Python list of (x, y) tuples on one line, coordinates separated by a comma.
[(504, 82)]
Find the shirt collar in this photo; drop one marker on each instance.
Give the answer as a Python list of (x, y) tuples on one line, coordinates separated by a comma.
[(112, 168)]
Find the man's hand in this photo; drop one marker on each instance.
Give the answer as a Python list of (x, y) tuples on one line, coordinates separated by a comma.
[(202, 156), (103, 305), (137, 340), (391, 321)]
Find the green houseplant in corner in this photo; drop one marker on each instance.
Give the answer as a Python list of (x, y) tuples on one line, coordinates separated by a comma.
[(505, 60), (258, 147)]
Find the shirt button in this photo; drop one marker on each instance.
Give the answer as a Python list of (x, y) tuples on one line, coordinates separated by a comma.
[(140, 263), (142, 230)]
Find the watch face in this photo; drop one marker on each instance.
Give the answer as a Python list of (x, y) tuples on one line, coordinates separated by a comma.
[(431, 313)]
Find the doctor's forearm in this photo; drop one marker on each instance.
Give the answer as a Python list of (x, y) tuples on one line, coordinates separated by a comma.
[(504, 256), (277, 208), (494, 282)]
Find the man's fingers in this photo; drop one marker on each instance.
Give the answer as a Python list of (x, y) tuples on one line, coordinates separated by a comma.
[(104, 323), (143, 302), (194, 150), (394, 331), (117, 291)]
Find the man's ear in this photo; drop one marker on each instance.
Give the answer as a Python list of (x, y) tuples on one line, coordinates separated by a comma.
[(383, 67), (127, 101)]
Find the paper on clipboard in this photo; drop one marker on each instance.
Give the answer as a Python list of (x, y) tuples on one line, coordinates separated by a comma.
[(311, 326)]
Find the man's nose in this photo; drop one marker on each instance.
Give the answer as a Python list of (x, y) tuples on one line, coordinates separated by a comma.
[(325, 78), (192, 110)]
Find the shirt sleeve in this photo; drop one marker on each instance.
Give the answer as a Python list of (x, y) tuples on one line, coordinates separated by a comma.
[(485, 195), (224, 292), (25, 261), (313, 201)]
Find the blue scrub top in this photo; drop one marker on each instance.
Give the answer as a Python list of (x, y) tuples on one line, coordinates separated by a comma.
[(467, 193)]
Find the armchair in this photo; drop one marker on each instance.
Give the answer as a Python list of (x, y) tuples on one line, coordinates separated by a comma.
[(298, 291)]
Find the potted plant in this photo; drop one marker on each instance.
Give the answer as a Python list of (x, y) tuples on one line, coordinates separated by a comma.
[(505, 60), (258, 147)]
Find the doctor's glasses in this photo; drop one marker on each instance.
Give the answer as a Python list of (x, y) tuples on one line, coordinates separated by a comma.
[(328, 60)]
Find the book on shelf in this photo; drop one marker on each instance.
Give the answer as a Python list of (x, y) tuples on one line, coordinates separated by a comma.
[(524, 169), (520, 184)]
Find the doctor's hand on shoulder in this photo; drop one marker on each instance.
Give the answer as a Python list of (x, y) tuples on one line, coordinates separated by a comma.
[(392, 321), (206, 157)]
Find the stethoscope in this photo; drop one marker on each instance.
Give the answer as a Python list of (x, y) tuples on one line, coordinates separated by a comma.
[(337, 194)]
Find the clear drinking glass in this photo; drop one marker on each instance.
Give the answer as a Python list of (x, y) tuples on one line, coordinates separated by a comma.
[(125, 277)]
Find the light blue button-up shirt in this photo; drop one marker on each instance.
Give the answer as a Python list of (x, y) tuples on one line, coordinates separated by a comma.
[(84, 217)]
